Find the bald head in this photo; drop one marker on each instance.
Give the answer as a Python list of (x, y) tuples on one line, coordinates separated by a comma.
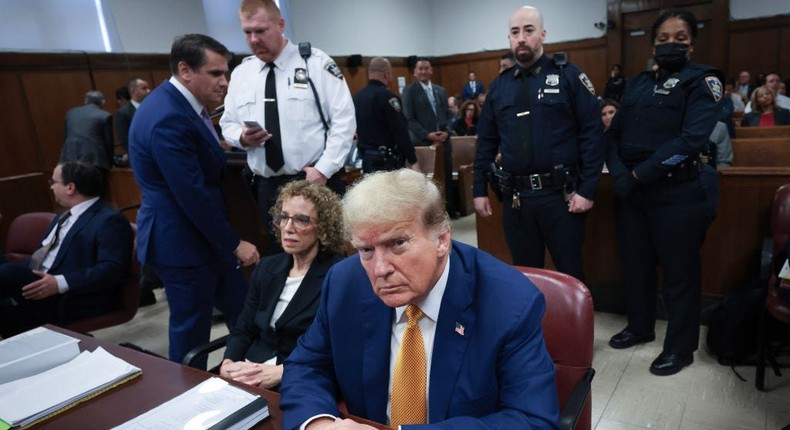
[(379, 69), (526, 35)]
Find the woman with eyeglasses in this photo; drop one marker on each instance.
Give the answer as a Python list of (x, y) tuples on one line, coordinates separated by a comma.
[(466, 124), (285, 288)]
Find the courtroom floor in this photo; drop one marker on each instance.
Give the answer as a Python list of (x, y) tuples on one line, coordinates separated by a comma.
[(625, 396)]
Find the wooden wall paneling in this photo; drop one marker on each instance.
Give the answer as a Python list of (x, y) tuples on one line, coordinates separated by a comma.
[(159, 76), (20, 150), (454, 76), (107, 81), (754, 50), (593, 63), (637, 46), (50, 95), (400, 71), (356, 77), (486, 70), (784, 48), (22, 194)]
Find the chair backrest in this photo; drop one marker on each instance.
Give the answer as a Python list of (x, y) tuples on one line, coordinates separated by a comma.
[(25, 235), (463, 151), (426, 156), (568, 330), (130, 299)]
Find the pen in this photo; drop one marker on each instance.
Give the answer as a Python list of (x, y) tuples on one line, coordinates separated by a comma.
[(289, 82)]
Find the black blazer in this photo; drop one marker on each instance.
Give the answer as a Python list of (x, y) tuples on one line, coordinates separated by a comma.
[(253, 338), (752, 119)]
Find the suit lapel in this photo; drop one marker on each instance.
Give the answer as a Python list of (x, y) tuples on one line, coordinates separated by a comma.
[(449, 347), (197, 121), (309, 290), (275, 276), (377, 330), (81, 222)]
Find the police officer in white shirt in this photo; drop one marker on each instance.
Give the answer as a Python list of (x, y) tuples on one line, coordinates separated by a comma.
[(305, 142)]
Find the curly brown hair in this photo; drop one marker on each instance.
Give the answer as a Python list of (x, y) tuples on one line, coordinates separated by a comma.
[(331, 235)]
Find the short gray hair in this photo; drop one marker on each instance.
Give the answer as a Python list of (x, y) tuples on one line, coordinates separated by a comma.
[(390, 197), (94, 97)]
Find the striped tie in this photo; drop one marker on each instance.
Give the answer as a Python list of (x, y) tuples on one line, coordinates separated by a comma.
[(409, 381)]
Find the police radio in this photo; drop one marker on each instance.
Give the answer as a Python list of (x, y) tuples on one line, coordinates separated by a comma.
[(305, 51), (560, 58)]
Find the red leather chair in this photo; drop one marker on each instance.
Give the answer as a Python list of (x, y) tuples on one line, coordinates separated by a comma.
[(25, 235), (130, 299), (568, 330), (775, 306)]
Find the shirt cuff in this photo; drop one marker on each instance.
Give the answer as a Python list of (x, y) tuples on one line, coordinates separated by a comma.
[(63, 286), (315, 417)]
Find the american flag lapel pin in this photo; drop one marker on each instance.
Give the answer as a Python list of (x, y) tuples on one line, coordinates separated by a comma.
[(459, 328)]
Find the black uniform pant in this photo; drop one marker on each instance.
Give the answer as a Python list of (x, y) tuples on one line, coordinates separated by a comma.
[(664, 225), (543, 221)]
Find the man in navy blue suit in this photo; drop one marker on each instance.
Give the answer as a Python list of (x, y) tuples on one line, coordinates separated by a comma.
[(183, 230), (81, 265), (472, 88), (481, 360)]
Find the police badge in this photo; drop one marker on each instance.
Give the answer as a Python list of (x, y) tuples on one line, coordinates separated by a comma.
[(300, 78), (671, 82), (552, 80)]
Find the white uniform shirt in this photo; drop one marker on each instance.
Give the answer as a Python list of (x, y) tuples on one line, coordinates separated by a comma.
[(301, 130)]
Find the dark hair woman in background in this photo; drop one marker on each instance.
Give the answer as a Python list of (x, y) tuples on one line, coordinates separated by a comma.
[(661, 211)]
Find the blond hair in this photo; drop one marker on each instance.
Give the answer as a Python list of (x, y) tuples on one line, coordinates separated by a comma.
[(390, 197)]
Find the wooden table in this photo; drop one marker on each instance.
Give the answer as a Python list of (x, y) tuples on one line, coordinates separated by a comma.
[(160, 381)]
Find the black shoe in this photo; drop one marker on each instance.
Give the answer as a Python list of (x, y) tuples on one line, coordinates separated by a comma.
[(669, 363), (626, 339), (147, 297)]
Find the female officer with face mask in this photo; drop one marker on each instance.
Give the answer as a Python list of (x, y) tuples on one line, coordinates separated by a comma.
[(661, 210)]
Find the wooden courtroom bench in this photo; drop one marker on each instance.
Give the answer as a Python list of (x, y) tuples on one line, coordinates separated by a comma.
[(463, 160), (762, 132), (765, 152), (730, 255)]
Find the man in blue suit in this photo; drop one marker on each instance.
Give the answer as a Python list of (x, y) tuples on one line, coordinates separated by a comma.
[(480, 358), (183, 230), (472, 88), (81, 265)]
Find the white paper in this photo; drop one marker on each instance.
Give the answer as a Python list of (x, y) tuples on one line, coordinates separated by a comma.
[(196, 409), (27, 399), (35, 351), (785, 272)]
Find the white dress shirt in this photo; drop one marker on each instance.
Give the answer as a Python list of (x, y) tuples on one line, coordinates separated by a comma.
[(302, 132), (76, 211), (289, 290)]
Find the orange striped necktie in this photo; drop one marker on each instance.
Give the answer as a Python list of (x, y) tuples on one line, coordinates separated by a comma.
[(409, 380)]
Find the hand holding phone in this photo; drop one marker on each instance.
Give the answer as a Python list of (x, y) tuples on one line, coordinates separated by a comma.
[(252, 124)]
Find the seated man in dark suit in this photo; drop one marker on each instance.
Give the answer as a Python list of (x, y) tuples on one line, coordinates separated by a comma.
[(82, 262), (418, 329)]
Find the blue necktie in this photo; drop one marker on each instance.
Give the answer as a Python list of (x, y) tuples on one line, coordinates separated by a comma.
[(209, 124)]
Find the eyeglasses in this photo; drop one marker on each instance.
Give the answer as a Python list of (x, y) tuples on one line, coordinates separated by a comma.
[(300, 221)]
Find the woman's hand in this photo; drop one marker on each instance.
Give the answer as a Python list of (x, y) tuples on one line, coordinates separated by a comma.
[(250, 373)]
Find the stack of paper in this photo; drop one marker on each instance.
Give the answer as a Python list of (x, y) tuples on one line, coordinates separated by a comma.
[(26, 400), (35, 351), (214, 404)]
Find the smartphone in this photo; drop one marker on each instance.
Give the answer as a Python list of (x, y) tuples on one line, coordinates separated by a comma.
[(252, 124)]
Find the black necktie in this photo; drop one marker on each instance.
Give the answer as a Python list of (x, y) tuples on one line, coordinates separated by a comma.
[(524, 119), (41, 253), (274, 146)]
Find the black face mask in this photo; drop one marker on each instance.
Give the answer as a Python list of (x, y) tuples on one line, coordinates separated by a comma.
[(671, 56)]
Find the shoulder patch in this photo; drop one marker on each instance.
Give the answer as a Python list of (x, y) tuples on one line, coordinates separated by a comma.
[(333, 68), (714, 85), (395, 103), (586, 82)]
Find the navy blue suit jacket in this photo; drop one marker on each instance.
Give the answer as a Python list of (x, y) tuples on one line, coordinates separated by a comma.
[(497, 374), (179, 166), (94, 258), (468, 94)]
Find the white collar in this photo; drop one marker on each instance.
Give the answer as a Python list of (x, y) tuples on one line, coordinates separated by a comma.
[(193, 101), (80, 208)]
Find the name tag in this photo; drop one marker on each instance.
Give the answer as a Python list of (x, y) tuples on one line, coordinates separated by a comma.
[(551, 90)]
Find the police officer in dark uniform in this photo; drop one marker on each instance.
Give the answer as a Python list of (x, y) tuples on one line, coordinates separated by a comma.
[(544, 118), (661, 210), (383, 132)]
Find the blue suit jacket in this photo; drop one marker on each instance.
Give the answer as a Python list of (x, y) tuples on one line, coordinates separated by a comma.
[(179, 166), (94, 258), (498, 374), (468, 94)]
